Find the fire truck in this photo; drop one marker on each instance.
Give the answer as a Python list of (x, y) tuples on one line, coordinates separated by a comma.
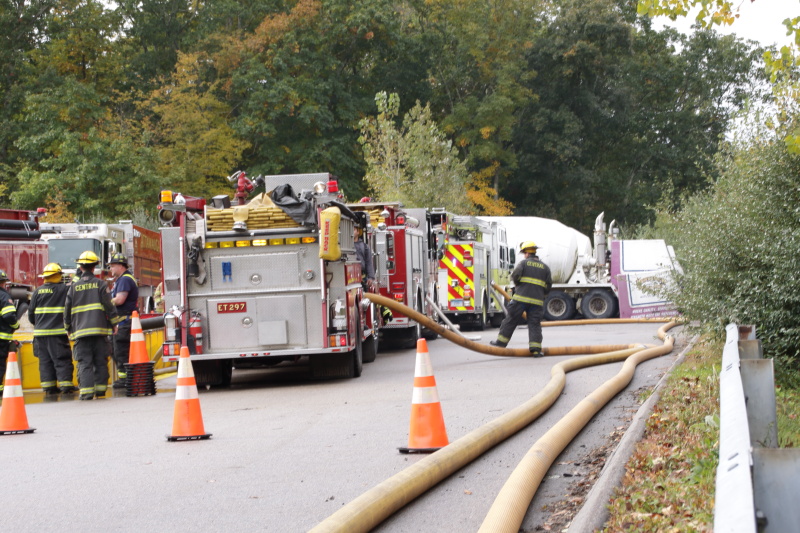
[(407, 265), (66, 242), (273, 280), (472, 254), (22, 254)]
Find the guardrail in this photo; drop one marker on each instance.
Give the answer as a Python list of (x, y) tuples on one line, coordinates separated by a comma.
[(757, 483)]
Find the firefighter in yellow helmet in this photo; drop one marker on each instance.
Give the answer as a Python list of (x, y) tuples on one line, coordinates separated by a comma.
[(50, 340), (8, 324), (532, 282), (90, 317)]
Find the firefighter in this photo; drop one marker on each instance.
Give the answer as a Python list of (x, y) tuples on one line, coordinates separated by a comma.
[(8, 324), (532, 282), (50, 340), (89, 317), (364, 255), (125, 296)]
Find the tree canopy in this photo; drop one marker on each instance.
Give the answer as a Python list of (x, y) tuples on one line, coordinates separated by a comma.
[(557, 108)]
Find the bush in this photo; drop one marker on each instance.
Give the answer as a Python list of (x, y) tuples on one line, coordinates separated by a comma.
[(738, 244)]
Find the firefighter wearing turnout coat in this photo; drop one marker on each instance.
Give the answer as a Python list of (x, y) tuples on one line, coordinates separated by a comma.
[(90, 317), (125, 297), (50, 340), (532, 282), (8, 325)]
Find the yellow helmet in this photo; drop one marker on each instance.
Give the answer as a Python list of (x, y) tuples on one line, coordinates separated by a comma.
[(528, 245), (51, 270), (88, 258)]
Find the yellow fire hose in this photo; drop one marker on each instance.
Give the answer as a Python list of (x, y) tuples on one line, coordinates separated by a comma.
[(374, 506), (495, 350)]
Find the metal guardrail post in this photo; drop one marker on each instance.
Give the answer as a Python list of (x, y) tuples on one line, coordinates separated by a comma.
[(764, 496)]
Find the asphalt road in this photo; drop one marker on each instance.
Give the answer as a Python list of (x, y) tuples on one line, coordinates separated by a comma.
[(287, 452)]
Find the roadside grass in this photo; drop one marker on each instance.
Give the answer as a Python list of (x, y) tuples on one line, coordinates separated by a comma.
[(669, 482), (670, 479)]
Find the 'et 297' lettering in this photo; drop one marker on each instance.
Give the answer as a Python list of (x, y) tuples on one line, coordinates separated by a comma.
[(233, 307)]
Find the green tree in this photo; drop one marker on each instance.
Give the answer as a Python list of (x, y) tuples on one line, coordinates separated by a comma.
[(621, 116), (480, 73), (73, 147), (307, 76), (416, 164), (24, 27), (189, 131)]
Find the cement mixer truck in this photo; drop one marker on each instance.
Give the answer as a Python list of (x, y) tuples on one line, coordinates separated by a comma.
[(614, 277)]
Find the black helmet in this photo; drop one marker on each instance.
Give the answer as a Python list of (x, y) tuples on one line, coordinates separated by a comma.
[(3, 276), (119, 259)]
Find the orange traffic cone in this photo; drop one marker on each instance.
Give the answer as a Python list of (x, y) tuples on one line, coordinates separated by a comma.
[(187, 423), (426, 432), (138, 353), (13, 419)]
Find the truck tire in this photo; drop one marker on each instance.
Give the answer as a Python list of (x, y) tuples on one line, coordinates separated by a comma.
[(427, 333), (369, 349), (357, 353), (598, 304), (216, 373), (559, 306), (412, 336), (483, 317), (339, 365)]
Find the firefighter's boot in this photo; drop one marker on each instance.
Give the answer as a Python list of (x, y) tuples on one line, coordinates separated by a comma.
[(498, 344)]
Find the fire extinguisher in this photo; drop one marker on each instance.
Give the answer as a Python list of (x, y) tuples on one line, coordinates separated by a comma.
[(196, 332)]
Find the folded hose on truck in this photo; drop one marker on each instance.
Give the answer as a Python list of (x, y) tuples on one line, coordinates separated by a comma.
[(377, 504)]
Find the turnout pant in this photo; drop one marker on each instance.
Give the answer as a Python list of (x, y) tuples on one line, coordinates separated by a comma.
[(513, 314), (122, 347), (92, 355), (55, 360), (4, 346)]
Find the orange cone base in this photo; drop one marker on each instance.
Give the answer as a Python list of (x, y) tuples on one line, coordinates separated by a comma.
[(174, 438), (17, 431), (418, 450)]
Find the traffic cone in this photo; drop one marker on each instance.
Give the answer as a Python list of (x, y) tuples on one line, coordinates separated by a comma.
[(139, 369), (426, 433), (13, 419), (138, 353), (187, 423)]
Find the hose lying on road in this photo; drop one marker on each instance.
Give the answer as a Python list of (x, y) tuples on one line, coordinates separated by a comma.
[(509, 508), (494, 350), (377, 504)]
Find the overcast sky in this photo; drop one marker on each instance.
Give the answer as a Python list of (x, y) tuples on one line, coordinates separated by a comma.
[(761, 20)]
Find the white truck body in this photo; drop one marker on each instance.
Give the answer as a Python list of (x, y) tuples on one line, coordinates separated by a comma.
[(623, 277)]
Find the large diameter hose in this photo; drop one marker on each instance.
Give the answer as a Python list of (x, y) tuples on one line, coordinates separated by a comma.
[(377, 504), (486, 348), (509, 508)]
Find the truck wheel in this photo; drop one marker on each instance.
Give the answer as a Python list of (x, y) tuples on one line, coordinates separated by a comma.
[(339, 365), (213, 373), (559, 306), (369, 349), (598, 303), (427, 333), (357, 354), (483, 318)]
